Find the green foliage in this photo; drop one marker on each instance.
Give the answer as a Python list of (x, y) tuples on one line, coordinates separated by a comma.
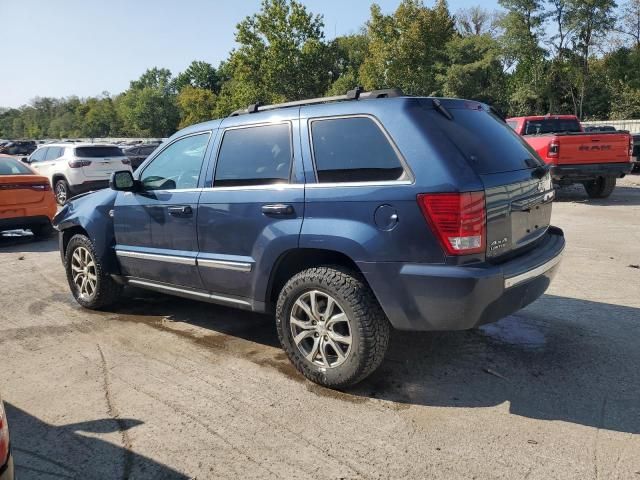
[(196, 105)]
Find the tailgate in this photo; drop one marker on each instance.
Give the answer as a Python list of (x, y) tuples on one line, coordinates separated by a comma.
[(101, 168), (589, 148)]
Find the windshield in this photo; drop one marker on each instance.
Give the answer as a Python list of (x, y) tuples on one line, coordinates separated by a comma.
[(551, 125), (98, 152)]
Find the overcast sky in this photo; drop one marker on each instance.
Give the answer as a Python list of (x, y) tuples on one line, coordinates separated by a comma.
[(59, 48)]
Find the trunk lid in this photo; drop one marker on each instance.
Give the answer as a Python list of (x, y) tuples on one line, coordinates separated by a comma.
[(22, 189), (517, 186)]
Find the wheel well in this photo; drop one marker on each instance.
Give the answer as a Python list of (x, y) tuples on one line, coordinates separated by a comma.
[(295, 261), (68, 233), (56, 177)]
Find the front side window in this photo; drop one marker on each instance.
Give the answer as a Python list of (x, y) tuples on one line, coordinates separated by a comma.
[(178, 165), (353, 150), (39, 155), (53, 153), (258, 155)]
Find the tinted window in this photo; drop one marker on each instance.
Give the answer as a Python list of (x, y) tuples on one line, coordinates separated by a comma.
[(178, 165), (551, 125), (39, 154), (254, 156), (9, 166), (98, 152), (353, 150), (147, 150), (53, 153)]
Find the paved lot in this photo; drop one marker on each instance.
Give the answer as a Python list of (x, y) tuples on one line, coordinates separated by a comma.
[(168, 388)]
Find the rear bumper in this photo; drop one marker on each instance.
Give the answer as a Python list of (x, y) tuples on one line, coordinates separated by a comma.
[(444, 297), (89, 186), (584, 172), (23, 222)]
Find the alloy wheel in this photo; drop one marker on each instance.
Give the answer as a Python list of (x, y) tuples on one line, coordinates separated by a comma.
[(83, 271), (320, 329), (61, 193)]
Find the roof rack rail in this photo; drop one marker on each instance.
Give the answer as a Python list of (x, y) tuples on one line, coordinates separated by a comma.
[(357, 93)]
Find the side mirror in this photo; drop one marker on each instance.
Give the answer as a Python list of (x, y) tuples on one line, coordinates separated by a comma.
[(123, 181), (25, 160)]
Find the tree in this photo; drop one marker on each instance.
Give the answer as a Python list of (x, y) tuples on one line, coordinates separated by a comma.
[(628, 22), (407, 48), (347, 56), (196, 105), (476, 21), (281, 56), (199, 75)]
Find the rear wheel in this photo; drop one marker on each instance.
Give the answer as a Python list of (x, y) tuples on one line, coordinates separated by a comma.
[(601, 187), (90, 285), (61, 189), (331, 326)]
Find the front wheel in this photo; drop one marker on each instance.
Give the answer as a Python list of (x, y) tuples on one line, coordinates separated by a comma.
[(90, 285), (331, 326), (601, 187)]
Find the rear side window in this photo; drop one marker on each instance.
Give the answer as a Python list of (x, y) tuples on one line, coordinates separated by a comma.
[(551, 125), (488, 143), (98, 152), (258, 155), (353, 150)]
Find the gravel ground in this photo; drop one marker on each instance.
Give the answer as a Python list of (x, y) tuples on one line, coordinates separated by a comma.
[(163, 387)]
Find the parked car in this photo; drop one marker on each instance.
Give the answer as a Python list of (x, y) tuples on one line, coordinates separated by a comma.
[(26, 199), (139, 153), (344, 216), (595, 160), (75, 168), (6, 459), (19, 147)]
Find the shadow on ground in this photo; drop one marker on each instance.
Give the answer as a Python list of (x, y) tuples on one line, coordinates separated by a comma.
[(560, 359), (44, 451), (24, 241), (621, 196)]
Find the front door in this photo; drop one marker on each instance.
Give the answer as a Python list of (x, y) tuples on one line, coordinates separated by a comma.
[(155, 228), (254, 210)]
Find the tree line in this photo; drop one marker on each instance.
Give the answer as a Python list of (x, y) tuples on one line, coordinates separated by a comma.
[(530, 57)]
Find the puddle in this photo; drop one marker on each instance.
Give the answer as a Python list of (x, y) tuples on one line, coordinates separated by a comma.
[(516, 331)]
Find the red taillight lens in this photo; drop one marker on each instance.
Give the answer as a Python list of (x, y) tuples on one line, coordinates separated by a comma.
[(554, 149), (126, 161), (79, 163), (457, 219), (4, 436)]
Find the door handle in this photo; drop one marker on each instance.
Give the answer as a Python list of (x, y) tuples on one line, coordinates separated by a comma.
[(180, 211), (278, 209)]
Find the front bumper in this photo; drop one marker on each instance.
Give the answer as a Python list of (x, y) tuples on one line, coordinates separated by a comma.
[(446, 297), (581, 173)]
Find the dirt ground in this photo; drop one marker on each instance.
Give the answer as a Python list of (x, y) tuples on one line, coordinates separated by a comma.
[(168, 388)]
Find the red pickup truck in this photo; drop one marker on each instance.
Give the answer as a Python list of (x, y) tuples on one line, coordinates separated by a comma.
[(594, 159)]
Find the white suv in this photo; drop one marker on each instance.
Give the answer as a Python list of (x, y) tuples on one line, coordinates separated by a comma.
[(75, 168)]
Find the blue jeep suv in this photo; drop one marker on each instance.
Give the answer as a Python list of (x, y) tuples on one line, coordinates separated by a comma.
[(345, 216)]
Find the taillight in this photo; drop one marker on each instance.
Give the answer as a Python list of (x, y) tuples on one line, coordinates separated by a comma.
[(457, 219), (79, 163), (40, 187), (554, 149), (126, 161), (4, 436)]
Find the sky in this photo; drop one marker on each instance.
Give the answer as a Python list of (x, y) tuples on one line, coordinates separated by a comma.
[(58, 48)]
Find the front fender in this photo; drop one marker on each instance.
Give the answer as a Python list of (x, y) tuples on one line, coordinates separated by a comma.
[(91, 213)]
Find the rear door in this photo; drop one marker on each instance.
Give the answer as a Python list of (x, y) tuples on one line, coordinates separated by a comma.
[(518, 192), (155, 229), (252, 211), (100, 161)]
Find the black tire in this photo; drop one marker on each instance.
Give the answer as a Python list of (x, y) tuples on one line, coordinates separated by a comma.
[(601, 187), (369, 327), (105, 292), (61, 191), (42, 231)]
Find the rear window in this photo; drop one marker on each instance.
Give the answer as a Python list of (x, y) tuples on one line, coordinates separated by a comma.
[(9, 166), (488, 143), (551, 125), (98, 152)]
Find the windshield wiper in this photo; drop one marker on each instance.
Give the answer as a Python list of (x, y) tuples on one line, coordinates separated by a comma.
[(442, 109)]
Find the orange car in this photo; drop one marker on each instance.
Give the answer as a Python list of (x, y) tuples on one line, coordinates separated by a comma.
[(26, 199)]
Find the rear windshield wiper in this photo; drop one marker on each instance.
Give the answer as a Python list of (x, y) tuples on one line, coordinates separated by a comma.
[(442, 109)]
